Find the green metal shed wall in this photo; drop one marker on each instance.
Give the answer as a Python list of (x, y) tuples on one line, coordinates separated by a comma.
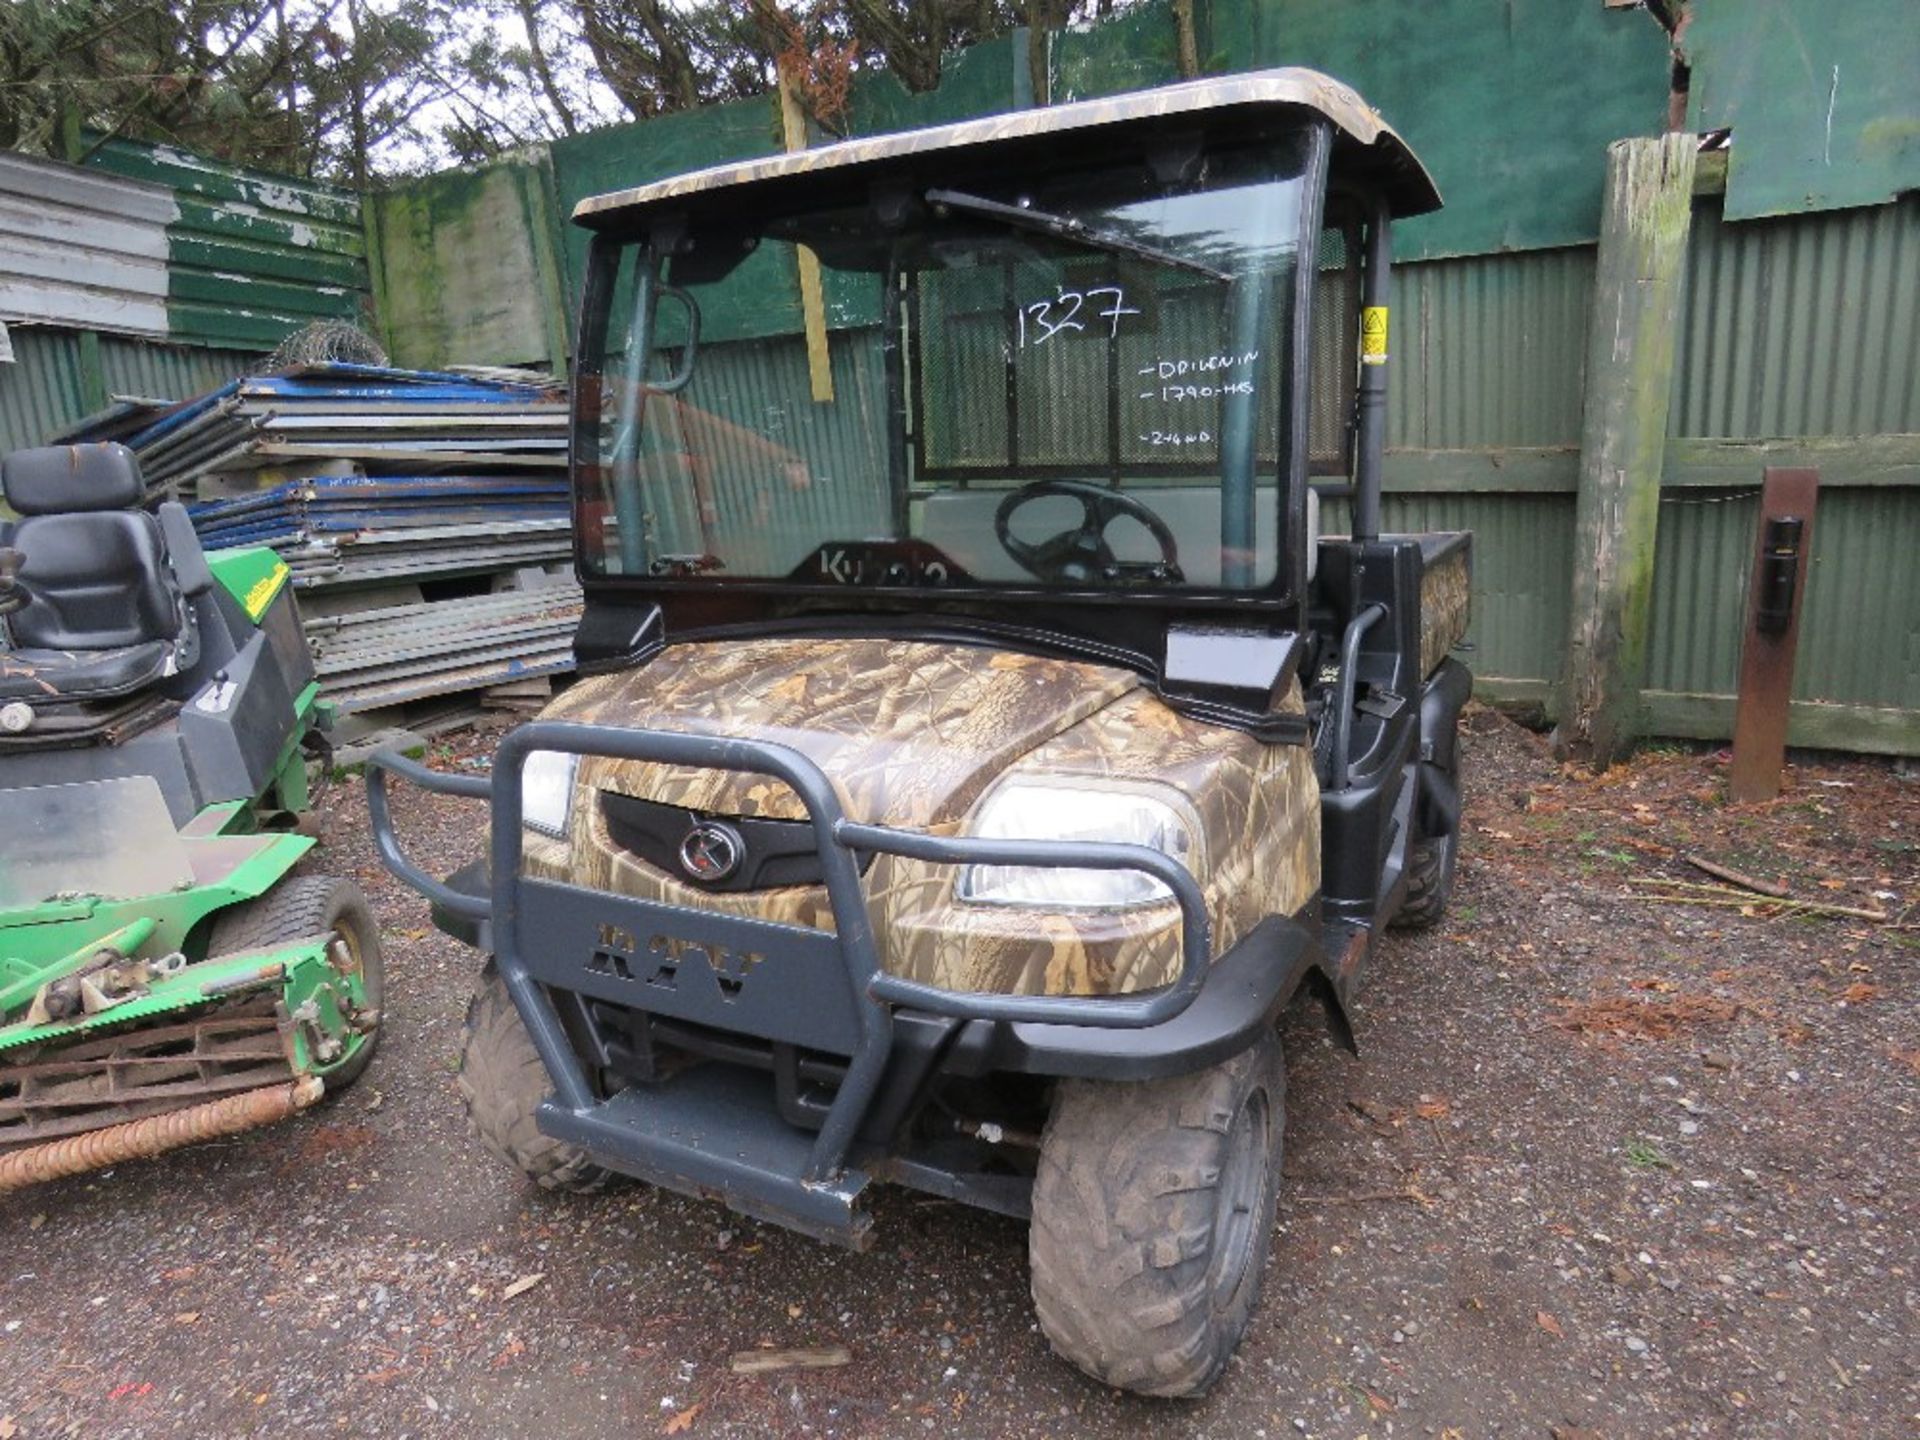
[(252, 256), (1793, 332)]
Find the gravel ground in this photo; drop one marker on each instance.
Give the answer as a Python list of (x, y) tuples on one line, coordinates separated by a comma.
[(1603, 1167)]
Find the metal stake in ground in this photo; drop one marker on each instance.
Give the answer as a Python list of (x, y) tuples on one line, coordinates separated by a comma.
[(1782, 551)]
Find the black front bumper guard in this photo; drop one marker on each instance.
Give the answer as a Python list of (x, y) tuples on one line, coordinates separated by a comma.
[(771, 981)]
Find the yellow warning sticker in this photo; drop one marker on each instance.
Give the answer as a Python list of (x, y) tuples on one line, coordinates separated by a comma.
[(1373, 335), (263, 590)]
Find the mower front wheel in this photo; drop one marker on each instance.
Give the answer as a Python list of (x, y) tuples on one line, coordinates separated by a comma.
[(502, 1082), (299, 910)]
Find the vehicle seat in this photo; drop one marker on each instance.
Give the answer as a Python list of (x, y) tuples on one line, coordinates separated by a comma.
[(105, 614)]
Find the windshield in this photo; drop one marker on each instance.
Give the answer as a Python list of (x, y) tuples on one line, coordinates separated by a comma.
[(1074, 382)]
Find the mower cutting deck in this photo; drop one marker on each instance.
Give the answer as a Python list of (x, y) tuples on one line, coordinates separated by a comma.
[(162, 979)]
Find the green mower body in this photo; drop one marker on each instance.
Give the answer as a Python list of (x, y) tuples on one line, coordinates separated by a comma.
[(157, 953)]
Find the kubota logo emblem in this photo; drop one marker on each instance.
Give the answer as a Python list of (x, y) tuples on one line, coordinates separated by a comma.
[(712, 851)]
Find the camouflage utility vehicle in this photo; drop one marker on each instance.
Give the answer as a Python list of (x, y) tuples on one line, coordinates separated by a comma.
[(982, 741)]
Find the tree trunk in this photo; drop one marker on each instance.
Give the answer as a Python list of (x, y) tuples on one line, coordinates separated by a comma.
[(1189, 39), (543, 68)]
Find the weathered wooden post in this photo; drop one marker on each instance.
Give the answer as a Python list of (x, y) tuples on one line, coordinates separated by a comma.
[(1782, 551), (1623, 436)]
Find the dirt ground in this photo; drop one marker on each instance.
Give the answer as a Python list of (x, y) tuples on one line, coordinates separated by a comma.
[(1604, 1166)]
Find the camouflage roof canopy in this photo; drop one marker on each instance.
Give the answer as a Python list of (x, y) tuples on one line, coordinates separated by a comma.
[(1364, 146)]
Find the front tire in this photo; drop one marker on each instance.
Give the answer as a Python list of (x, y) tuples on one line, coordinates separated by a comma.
[(1152, 1220), (298, 910), (502, 1082)]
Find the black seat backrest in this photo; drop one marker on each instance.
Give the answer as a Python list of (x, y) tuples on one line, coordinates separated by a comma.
[(94, 566)]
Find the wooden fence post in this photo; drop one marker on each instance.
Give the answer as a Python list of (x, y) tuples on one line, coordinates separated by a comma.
[(1623, 436)]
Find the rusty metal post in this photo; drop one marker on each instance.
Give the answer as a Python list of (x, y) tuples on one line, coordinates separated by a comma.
[(1783, 550)]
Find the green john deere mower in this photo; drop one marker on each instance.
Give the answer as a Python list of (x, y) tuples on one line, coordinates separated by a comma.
[(163, 977)]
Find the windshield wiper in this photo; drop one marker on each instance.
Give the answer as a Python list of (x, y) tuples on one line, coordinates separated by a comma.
[(1065, 227)]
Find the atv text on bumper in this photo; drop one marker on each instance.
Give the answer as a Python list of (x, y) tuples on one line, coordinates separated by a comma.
[(762, 979)]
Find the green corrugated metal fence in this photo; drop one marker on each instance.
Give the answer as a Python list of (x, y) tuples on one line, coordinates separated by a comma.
[(1801, 335), (251, 256), (52, 382)]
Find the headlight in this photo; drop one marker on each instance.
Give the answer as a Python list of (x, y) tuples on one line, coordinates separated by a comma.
[(546, 791), (1023, 810)]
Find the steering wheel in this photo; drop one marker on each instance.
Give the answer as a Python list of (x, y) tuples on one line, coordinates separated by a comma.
[(13, 595), (1081, 556)]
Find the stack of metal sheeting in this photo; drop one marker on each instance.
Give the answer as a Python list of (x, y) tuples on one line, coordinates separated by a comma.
[(352, 529), (371, 659), (425, 517), (391, 421)]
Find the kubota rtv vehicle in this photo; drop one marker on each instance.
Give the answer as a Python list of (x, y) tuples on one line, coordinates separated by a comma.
[(983, 739)]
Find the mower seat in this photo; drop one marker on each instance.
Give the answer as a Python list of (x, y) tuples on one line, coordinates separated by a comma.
[(104, 614)]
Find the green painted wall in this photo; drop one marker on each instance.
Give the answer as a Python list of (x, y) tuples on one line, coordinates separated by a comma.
[(1510, 105), (470, 269), (1823, 100)]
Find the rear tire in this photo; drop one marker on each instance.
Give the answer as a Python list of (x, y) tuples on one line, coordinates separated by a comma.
[(1430, 867), (1153, 1217), (298, 910), (502, 1082), (1431, 861)]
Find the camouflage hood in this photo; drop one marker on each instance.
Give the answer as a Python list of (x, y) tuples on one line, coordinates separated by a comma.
[(911, 733)]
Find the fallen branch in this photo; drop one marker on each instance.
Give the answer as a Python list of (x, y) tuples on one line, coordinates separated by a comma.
[(1367, 1197), (1779, 909), (1694, 886), (816, 1357), (1744, 881)]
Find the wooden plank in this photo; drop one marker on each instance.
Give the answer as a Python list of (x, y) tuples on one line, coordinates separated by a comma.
[(249, 292), (82, 231), (93, 374), (215, 221), (809, 1357), (1629, 379), (230, 325), (543, 229), (208, 252), (82, 309), (813, 308), (1783, 554), (30, 259), (1842, 460), (185, 172), (1535, 470), (1685, 715), (1811, 724), (1710, 173)]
